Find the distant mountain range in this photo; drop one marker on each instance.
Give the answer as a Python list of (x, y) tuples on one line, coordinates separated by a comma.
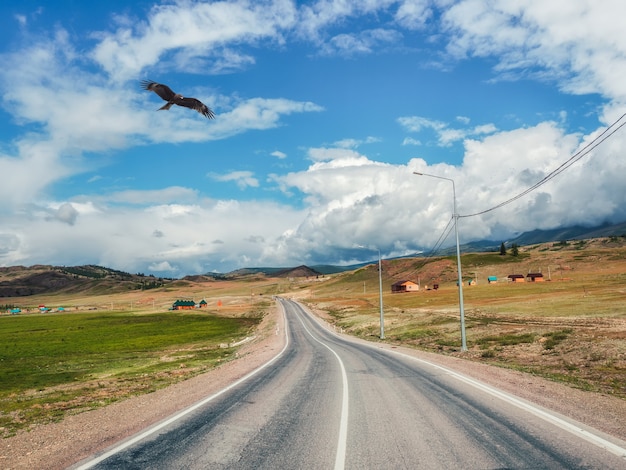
[(19, 281), (533, 237), (299, 271), (572, 233)]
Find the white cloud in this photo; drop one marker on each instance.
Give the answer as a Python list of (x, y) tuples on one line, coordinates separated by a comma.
[(355, 143), (66, 213), (364, 42), (243, 179), (413, 14), (417, 123), (162, 267), (188, 32), (579, 44), (258, 113), (9, 244), (324, 154), (159, 196), (362, 201), (278, 154), (21, 19), (319, 16), (124, 237), (446, 135), (411, 141)]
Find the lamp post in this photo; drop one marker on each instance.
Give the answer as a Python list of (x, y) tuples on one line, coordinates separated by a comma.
[(380, 291), (455, 215), (380, 295)]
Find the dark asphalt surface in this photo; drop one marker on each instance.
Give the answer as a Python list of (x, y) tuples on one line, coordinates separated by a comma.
[(397, 413)]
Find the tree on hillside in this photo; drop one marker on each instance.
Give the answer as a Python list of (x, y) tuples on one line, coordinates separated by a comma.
[(514, 249), (502, 249)]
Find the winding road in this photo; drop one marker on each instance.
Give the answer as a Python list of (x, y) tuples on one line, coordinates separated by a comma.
[(326, 401)]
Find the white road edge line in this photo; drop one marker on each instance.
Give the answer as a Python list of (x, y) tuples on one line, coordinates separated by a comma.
[(561, 423), (124, 445), (340, 458)]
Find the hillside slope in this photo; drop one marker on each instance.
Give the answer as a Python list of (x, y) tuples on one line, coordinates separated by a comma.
[(19, 281)]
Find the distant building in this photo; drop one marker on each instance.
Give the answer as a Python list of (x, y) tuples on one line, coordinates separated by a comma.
[(535, 277), (405, 286), (184, 305), (516, 277), (202, 304), (492, 279)]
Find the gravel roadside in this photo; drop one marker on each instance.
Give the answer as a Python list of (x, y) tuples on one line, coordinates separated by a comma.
[(60, 445)]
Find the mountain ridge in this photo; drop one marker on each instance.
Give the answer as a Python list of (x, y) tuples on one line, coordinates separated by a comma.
[(19, 281)]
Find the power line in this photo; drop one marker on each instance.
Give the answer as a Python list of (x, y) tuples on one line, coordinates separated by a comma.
[(608, 132), (442, 238), (437, 246)]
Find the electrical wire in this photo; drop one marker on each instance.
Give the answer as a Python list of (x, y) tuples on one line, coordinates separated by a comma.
[(608, 132), (442, 238), (437, 246)]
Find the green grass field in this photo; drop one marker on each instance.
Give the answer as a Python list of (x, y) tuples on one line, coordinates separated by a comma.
[(51, 363)]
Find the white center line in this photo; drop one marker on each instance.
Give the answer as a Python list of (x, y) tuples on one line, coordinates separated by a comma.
[(340, 458)]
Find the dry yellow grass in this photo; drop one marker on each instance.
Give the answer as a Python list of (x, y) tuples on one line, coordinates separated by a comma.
[(571, 328)]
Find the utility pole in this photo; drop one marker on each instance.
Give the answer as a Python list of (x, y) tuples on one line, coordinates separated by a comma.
[(455, 216)]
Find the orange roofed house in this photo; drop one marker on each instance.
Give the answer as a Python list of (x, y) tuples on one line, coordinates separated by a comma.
[(405, 286)]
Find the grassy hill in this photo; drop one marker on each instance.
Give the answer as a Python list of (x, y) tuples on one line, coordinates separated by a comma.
[(571, 327), (18, 281)]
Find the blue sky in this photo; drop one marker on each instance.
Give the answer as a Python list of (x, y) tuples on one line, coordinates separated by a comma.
[(324, 109)]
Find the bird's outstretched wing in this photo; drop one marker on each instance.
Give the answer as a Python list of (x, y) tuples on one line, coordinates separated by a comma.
[(198, 105), (168, 95), (163, 91)]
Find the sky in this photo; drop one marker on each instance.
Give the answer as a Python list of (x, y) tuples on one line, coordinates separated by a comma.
[(324, 109)]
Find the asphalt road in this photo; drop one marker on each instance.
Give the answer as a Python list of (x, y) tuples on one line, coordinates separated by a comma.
[(329, 402)]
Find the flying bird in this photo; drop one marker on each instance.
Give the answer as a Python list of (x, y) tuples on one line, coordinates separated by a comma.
[(168, 95)]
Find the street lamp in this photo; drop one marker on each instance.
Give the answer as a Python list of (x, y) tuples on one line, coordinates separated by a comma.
[(455, 215), (380, 295), (380, 292)]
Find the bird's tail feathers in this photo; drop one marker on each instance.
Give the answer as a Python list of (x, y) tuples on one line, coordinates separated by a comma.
[(166, 106)]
